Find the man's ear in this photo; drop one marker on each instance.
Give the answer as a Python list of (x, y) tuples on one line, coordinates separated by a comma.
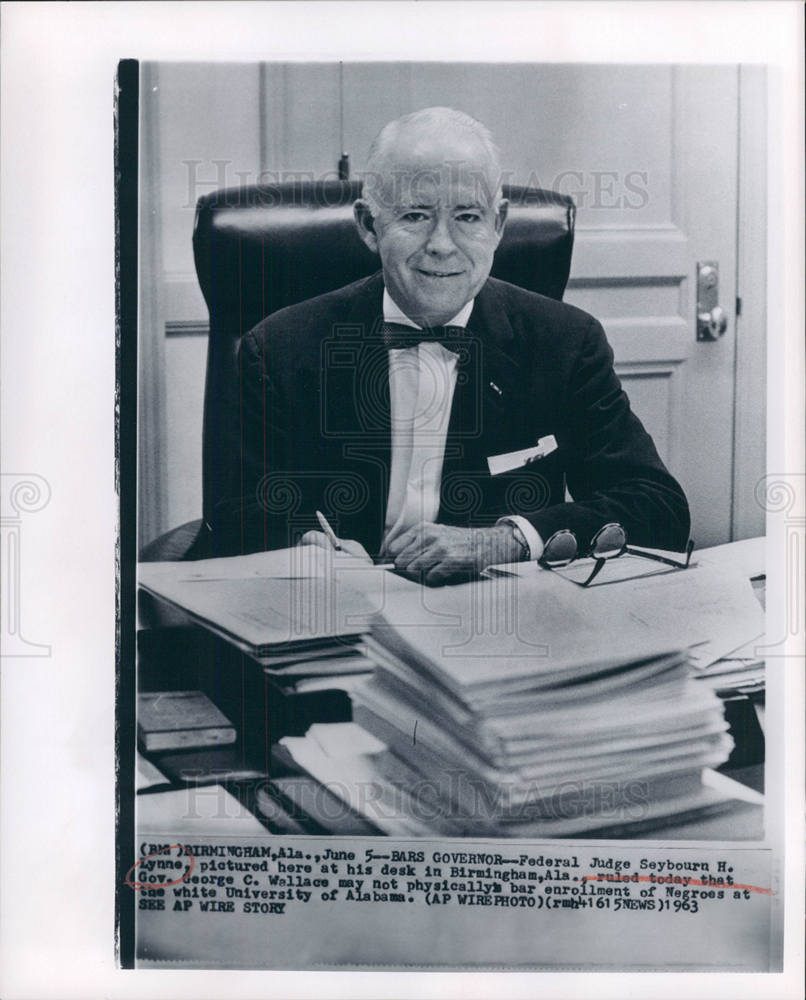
[(501, 217), (365, 224)]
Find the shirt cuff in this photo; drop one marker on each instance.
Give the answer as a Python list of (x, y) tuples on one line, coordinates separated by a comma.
[(530, 533)]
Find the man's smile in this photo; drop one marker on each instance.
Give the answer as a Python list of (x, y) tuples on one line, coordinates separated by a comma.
[(438, 274)]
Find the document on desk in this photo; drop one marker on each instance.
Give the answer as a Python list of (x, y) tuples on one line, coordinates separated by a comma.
[(504, 634), (299, 562), (703, 601), (271, 602), (711, 603)]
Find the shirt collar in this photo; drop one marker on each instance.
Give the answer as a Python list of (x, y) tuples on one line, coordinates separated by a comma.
[(393, 314)]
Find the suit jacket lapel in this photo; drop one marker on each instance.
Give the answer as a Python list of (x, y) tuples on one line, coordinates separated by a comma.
[(489, 391), (356, 408), (355, 379)]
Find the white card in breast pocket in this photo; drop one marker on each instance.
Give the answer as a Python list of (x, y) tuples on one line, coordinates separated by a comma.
[(517, 459)]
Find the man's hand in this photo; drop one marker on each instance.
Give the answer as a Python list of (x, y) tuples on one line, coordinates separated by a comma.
[(438, 553), (351, 547)]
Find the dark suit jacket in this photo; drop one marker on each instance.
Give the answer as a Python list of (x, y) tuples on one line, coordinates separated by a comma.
[(314, 430)]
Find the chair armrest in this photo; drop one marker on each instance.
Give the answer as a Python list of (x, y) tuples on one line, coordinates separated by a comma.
[(174, 545)]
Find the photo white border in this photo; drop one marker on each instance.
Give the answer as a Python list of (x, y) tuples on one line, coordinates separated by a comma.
[(57, 311)]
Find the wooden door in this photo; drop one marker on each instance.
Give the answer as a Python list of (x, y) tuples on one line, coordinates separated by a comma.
[(682, 388)]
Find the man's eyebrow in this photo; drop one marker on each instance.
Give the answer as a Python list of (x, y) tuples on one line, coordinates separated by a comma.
[(430, 205)]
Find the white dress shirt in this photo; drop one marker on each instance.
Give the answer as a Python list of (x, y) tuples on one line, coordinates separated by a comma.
[(422, 380)]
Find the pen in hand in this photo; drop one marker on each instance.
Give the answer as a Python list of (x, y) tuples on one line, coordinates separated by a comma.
[(329, 532), (331, 536)]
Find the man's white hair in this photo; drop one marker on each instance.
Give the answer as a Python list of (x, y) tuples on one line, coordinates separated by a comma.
[(434, 119)]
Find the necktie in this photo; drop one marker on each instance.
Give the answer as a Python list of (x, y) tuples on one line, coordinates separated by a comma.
[(398, 335)]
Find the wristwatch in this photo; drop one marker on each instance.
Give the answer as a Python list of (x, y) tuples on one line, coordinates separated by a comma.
[(520, 538)]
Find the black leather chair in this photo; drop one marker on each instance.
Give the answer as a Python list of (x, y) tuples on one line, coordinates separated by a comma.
[(258, 249)]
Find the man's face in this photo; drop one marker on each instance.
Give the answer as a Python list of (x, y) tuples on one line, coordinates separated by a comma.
[(436, 229)]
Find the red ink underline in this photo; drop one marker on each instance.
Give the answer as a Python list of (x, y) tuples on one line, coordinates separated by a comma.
[(160, 885), (669, 880)]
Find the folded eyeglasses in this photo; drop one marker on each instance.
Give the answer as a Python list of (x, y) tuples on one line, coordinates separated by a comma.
[(609, 542)]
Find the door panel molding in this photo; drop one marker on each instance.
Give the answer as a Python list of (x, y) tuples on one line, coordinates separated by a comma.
[(629, 252), (184, 302), (644, 339), (655, 391)]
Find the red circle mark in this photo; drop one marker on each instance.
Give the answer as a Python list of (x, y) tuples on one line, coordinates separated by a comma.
[(668, 880), (160, 885)]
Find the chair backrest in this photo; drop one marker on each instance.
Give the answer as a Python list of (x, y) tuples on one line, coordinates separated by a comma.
[(260, 248)]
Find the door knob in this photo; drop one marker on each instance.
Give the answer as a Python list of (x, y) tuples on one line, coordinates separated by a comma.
[(711, 325), (712, 320)]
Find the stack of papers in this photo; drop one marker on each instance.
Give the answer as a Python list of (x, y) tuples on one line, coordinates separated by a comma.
[(713, 607), (741, 672), (299, 612), (511, 712)]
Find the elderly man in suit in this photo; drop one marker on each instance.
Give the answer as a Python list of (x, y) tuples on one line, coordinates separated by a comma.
[(440, 417)]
